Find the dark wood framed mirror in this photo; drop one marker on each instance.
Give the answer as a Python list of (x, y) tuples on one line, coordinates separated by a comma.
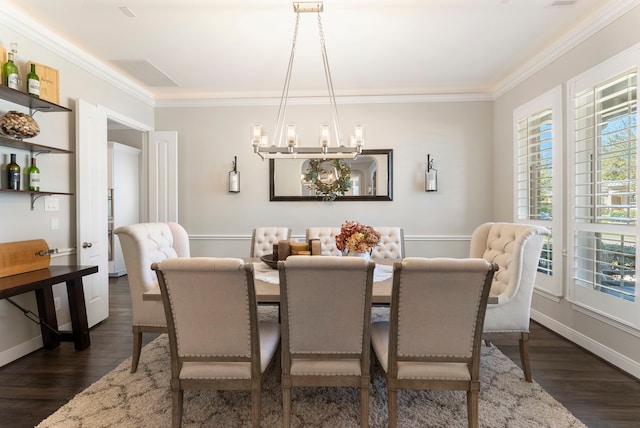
[(371, 178)]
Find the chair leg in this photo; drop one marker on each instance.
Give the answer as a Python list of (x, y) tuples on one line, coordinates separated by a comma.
[(286, 402), (524, 356), (472, 408), (392, 405), (255, 406), (364, 404), (176, 409), (137, 348)]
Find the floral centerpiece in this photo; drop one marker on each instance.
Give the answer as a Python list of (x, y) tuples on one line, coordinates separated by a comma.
[(356, 238)]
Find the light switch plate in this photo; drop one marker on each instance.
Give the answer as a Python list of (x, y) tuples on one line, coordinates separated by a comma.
[(51, 204)]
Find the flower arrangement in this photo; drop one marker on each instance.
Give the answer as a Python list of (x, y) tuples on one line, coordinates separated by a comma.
[(357, 238)]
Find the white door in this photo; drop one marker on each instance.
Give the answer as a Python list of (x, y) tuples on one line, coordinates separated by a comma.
[(163, 176), (91, 207)]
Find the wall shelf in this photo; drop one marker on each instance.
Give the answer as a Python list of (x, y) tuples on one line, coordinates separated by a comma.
[(34, 105), (35, 195), (14, 143)]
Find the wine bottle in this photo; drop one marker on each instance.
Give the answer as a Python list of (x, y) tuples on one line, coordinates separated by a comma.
[(34, 176), (10, 75), (33, 82), (13, 170)]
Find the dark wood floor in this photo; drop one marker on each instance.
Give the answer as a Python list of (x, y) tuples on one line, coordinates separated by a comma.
[(36, 385)]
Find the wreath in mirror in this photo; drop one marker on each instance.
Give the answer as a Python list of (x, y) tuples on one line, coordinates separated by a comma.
[(327, 178)]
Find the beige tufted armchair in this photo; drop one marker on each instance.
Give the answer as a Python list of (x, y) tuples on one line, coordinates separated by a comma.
[(327, 237), (144, 244), (263, 238), (391, 244), (515, 248)]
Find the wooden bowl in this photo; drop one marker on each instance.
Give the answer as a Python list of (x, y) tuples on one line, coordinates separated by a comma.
[(268, 260)]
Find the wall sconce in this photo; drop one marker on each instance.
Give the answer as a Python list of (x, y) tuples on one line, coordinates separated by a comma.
[(430, 177), (234, 177)]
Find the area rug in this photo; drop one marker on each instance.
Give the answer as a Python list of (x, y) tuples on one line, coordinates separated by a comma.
[(143, 399)]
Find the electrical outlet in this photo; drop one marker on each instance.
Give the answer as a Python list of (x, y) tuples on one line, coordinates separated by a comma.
[(57, 303), (55, 223)]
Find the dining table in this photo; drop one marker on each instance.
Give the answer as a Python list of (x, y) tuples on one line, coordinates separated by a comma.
[(267, 283)]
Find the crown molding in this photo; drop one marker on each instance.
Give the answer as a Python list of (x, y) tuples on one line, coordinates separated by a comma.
[(569, 41), (365, 99), (28, 28), (24, 25)]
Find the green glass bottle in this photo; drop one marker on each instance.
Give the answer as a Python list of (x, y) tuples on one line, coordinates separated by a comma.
[(33, 172), (33, 82), (13, 172), (10, 73)]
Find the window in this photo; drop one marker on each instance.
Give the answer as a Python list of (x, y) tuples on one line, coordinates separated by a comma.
[(538, 156), (604, 121)]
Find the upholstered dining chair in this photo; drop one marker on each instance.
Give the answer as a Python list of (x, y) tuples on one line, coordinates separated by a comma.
[(215, 338), (327, 236), (143, 244), (391, 244), (326, 312), (263, 238), (515, 248), (434, 334)]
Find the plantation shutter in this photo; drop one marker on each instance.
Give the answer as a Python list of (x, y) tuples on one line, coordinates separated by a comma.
[(605, 186)]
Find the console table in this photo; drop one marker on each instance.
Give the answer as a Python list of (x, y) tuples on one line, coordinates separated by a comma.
[(41, 281)]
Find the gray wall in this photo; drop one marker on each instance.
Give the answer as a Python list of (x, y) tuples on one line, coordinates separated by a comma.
[(461, 148), (18, 335), (613, 344)]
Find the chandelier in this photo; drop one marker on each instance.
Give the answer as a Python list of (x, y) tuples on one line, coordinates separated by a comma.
[(285, 142)]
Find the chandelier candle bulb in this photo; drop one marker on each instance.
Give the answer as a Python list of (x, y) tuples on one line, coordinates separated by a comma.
[(324, 135), (256, 132), (291, 135), (358, 131)]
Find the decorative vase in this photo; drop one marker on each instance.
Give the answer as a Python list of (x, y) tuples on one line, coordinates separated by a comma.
[(366, 255)]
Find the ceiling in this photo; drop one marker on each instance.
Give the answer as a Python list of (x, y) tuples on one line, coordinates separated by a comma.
[(221, 49)]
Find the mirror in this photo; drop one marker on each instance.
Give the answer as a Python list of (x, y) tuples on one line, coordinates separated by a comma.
[(371, 178)]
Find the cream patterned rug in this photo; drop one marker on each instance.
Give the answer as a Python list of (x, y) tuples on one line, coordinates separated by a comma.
[(143, 399)]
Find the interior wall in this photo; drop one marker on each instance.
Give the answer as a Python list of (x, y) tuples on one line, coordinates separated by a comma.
[(18, 335), (137, 139), (620, 347), (220, 223)]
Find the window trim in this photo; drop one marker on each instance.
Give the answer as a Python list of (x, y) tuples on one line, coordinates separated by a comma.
[(614, 308), (552, 99)]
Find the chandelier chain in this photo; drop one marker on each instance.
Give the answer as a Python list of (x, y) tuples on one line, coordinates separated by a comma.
[(327, 74), (282, 110)]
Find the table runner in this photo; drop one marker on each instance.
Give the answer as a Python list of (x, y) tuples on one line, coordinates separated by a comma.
[(264, 273)]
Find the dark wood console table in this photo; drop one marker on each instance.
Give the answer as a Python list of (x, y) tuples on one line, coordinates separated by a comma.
[(41, 282)]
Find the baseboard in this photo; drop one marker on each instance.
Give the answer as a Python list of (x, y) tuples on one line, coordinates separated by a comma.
[(19, 351), (611, 356)]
